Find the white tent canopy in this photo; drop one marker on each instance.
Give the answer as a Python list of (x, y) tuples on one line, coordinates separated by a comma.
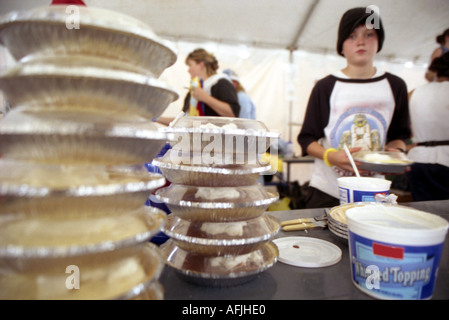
[(311, 25), (279, 48)]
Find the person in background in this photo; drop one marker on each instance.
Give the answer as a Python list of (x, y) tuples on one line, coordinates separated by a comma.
[(443, 41), (428, 177), (359, 106), (210, 93), (247, 107)]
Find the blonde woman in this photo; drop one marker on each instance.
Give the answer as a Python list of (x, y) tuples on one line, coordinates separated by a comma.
[(211, 93)]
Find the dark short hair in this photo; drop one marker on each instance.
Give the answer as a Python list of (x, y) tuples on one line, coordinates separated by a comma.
[(441, 38), (353, 18), (440, 65)]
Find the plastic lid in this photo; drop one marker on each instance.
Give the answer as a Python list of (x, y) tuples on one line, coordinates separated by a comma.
[(192, 162), (397, 224), (307, 252), (221, 125)]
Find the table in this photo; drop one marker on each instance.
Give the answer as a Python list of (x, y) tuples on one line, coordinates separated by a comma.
[(293, 160), (285, 282)]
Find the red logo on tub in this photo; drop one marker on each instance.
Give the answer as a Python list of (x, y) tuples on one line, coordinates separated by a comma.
[(388, 251), (381, 193)]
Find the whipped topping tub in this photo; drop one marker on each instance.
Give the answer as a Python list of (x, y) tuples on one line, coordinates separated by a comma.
[(395, 250)]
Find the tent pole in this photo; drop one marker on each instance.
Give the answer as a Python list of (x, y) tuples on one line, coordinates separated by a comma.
[(290, 107), (293, 46)]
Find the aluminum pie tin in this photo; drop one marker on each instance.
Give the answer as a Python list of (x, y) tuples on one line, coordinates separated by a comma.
[(77, 237), (336, 218), (52, 190), (87, 84), (150, 290), (221, 238), (111, 274), (382, 161), (219, 271), (341, 234), (74, 138), (52, 31), (221, 136), (216, 204), (179, 171)]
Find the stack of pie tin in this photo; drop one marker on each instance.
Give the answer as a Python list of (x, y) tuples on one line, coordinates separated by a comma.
[(220, 234), (73, 184)]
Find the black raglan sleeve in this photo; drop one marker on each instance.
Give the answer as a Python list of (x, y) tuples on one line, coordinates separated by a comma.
[(224, 91), (400, 126), (317, 113)]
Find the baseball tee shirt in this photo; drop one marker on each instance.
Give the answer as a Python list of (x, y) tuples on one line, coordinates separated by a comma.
[(366, 113)]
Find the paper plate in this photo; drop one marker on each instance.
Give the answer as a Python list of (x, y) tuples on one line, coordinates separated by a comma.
[(382, 161), (307, 252)]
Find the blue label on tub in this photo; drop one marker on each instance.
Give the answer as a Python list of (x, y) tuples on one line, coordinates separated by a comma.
[(344, 195), (391, 271), (366, 196), (358, 196)]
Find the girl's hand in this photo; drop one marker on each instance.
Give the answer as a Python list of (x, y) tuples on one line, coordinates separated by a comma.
[(341, 160)]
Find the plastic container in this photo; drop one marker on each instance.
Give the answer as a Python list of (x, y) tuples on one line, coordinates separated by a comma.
[(361, 189), (395, 250), (221, 140)]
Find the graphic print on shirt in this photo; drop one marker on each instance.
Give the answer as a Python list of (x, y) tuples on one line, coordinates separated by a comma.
[(359, 127)]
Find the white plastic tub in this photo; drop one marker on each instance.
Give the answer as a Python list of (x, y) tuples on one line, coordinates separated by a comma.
[(395, 250), (361, 189)]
